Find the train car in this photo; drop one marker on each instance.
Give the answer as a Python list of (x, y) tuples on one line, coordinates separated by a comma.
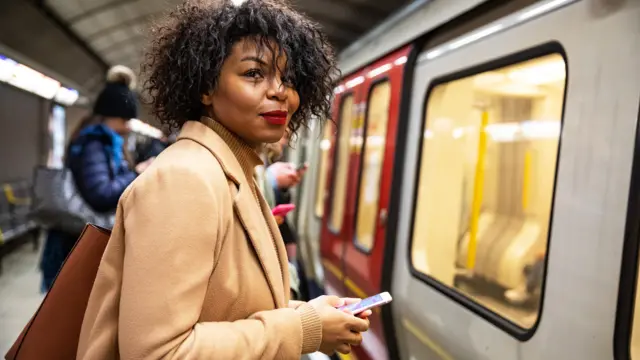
[(483, 165)]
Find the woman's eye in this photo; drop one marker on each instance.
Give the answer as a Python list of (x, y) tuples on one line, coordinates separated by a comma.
[(253, 73)]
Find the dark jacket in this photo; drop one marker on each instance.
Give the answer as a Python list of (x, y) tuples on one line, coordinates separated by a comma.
[(152, 148), (101, 175), (99, 169), (283, 196)]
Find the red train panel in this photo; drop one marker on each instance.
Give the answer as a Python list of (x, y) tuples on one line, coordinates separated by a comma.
[(353, 253)]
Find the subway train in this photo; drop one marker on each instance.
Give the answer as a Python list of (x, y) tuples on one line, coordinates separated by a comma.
[(483, 166)]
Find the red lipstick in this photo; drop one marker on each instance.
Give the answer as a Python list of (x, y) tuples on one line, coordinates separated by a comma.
[(276, 117)]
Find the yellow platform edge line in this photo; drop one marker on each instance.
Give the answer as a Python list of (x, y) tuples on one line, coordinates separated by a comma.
[(425, 339), (348, 282), (406, 323)]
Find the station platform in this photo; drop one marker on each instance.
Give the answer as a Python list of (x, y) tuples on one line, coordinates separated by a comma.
[(19, 291), (20, 295)]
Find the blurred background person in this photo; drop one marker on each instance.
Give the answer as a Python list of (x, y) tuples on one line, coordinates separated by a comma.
[(151, 149), (268, 190), (279, 178), (97, 158)]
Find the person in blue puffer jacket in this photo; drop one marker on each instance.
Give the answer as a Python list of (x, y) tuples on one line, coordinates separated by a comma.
[(96, 158)]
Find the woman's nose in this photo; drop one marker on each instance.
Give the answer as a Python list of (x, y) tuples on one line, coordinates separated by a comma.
[(277, 90)]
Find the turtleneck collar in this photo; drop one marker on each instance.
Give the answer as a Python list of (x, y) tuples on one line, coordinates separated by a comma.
[(247, 156)]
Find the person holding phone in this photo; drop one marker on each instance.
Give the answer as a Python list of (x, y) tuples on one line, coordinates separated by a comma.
[(276, 182), (280, 211), (280, 177), (195, 267)]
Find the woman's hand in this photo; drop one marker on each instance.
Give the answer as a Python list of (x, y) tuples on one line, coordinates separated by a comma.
[(294, 304), (285, 174), (364, 315), (340, 329)]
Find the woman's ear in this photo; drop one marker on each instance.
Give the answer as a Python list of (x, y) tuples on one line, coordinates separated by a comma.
[(207, 99)]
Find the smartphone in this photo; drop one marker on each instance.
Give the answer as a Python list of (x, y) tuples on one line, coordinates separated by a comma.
[(369, 303), (282, 210)]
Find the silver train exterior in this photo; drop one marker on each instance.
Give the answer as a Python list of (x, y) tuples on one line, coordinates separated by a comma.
[(586, 308)]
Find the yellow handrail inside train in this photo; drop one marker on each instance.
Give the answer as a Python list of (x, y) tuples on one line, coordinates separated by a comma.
[(526, 180), (478, 188)]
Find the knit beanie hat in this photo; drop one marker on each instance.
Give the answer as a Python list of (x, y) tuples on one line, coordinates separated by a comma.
[(117, 99)]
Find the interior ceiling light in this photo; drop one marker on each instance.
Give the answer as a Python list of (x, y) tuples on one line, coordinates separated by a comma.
[(489, 79), (541, 73), (523, 79)]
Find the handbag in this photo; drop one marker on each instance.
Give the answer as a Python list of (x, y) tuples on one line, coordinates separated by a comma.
[(54, 331), (57, 203)]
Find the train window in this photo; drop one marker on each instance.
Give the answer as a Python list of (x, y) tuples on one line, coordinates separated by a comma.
[(339, 190), (486, 180), (369, 192), (321, 189)]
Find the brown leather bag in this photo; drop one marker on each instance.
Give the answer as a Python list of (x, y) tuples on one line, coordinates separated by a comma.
[(53, 332)]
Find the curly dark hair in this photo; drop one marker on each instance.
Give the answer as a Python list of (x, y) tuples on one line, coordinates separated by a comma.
[(188, 48)]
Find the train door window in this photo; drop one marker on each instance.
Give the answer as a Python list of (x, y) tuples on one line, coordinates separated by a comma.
[(369, 192), (486, 182), (339, 190), (321, 189)]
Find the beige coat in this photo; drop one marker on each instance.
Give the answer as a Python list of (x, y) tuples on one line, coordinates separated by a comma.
[(195, 267)]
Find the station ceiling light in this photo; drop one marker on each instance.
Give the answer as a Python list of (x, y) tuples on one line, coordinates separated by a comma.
[(30, 80)]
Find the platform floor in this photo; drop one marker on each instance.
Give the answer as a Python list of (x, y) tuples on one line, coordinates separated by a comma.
[(19, 292), (20, 296)]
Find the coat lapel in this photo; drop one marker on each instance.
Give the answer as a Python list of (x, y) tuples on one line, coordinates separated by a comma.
[(281, 252), (250, 214), (252, 221)]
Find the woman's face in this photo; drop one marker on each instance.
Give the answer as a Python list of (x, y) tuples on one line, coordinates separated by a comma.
[(119, 125), (251, 98)]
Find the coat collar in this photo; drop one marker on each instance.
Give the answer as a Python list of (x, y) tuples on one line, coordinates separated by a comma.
[(266, 240), (236, 157)]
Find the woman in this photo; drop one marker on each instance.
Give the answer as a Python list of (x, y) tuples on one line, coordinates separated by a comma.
[(96, 158), (195, 267)]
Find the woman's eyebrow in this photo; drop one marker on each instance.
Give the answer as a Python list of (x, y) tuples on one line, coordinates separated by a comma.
[(253, 58)]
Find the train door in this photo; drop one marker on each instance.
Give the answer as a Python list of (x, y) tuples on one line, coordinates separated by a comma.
[(365, 241), (341, 180), (490, 200)]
